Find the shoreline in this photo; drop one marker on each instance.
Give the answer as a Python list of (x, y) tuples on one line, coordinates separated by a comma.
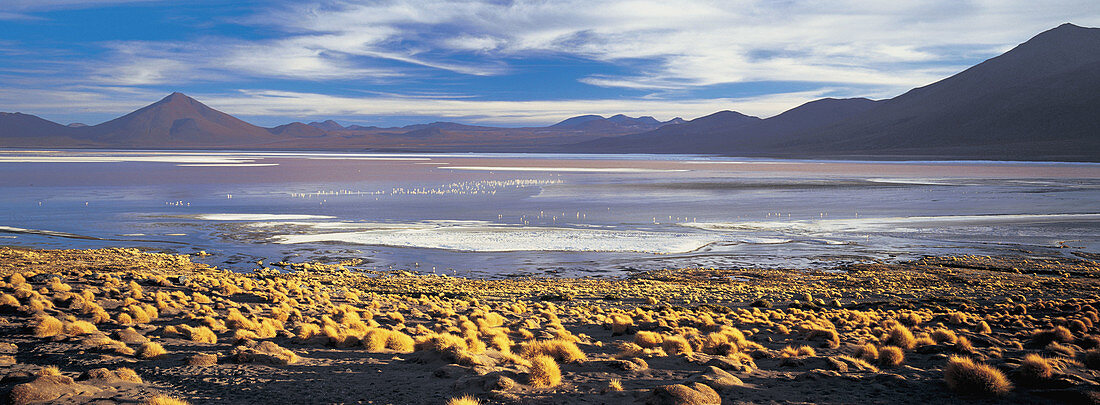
[(324, 333)]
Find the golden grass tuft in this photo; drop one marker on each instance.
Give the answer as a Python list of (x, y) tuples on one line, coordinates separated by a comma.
[(464, 400), (900, 336), (151, 350), (945, 336), (8, 300), (165, 400), (544, 372), (614, 385), (77, 328), (199, 334), (677, 345), (891, 356), (621, 323), (867, 352), (562, 350), (1036, 368), (47, 326), (983, 328), (377, 339), (965, 376), (647, 339)]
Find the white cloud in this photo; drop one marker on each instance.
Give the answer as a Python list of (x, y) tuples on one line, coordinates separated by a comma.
[(694, 43)]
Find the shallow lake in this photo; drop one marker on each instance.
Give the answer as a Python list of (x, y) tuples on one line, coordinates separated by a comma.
[(495, 215)]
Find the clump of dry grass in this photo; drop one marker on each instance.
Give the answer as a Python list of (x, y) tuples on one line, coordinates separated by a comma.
[(621, 324), (965, 376), (1036, 368), (647, 339), (544, 372), (944, 336), (47, 326), (77, 328), (677, 345), (464, 400), (561, 350), (983, 328), (151, 350), (614, 385), (801, 351), (900, 336), (378, 338), (867, 352), (1059, 334), (891, 356), (199, 334), (165, 400)]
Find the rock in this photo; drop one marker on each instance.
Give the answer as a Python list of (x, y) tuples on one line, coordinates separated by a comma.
[(17, 377), (499, 383), (718, 379), (48, 388), (265, 352), (130, 336), (725, 363), (680, 394), (43, 278), (838, 365), (629, 365), (202, 360), (761, 303), (451, 371), (850, 365), (565, 296), (816, 374)]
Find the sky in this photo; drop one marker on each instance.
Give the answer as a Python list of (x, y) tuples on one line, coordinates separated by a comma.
[(507, 63)]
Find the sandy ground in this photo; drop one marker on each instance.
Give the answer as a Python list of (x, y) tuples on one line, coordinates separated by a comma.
[(123, 326)]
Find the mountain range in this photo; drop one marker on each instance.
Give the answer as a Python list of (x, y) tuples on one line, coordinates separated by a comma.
[(179, 121), (1038, 101)]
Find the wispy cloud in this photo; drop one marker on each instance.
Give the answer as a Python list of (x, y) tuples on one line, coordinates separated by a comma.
[(702, 43)]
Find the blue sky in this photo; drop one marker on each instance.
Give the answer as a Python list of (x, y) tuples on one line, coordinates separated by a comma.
[(511, 63)]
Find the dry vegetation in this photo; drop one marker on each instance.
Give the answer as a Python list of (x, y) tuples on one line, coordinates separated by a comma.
[(122, 325)]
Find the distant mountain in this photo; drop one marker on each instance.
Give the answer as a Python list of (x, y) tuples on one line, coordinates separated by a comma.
[(175, 121), (298, 130), (732, 131), (327, 125), (19, 125), (1038, 101), (617, 122)]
